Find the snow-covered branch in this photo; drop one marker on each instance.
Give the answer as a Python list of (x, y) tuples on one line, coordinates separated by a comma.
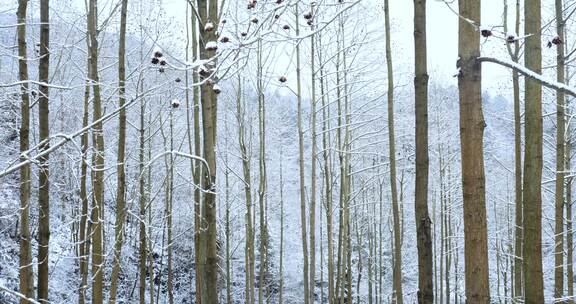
[(17, 294), (531, 74)]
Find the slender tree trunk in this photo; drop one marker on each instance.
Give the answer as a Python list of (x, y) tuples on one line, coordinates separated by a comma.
[(44, 172), (26, 272), (560, 154), (249, 247), (208, 12), (169, 202), (569, 233), (197, 167), (142, 205), (262, 191), (327, 177), (532, 197), (301, 165), (281, 266), (312, 211), (121, 188), (83, 229), (471, 136), (397, 296), (229, 298), (423, 223), (97, 161), (518, 235)]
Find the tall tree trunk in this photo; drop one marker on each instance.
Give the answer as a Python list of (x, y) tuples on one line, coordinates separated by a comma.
[(560, 154), (327, 176), (249, 246), (471, 136), (262, 187), (569, 233), (532, 196), (84, 244), (303, 222), (312, 211), (281, 266), (97, 161), (228, 231), (423, 234), (169, 203), (397, 296), (121, 187), (143, 248), (197, 168), (518, 235), (44, 172), (26, 273), (208, 12)]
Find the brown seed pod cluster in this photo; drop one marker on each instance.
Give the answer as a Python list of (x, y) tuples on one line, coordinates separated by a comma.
[(252, 4), (510, 39), (158, 58), (486, 33)]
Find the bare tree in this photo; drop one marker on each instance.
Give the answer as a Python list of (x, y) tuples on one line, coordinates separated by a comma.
[(472, 153), (423, 234), (532, 196), (44, 174), (121, 175), (397, 296), (26, 273)]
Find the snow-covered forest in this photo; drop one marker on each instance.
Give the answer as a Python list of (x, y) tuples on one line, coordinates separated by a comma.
[(286, 151)]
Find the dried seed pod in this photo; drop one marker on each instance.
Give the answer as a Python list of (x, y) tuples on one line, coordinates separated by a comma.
[(161, 70), (224, 39), (202, 71), (282, 79), (216, 89), (178, 80), (557, 40), (244, 34), (158, 54), (308, 15), (486, 33), (286, 27), (175, 103), (209, 27), (254, 20), (155, 60), (510, 39)]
